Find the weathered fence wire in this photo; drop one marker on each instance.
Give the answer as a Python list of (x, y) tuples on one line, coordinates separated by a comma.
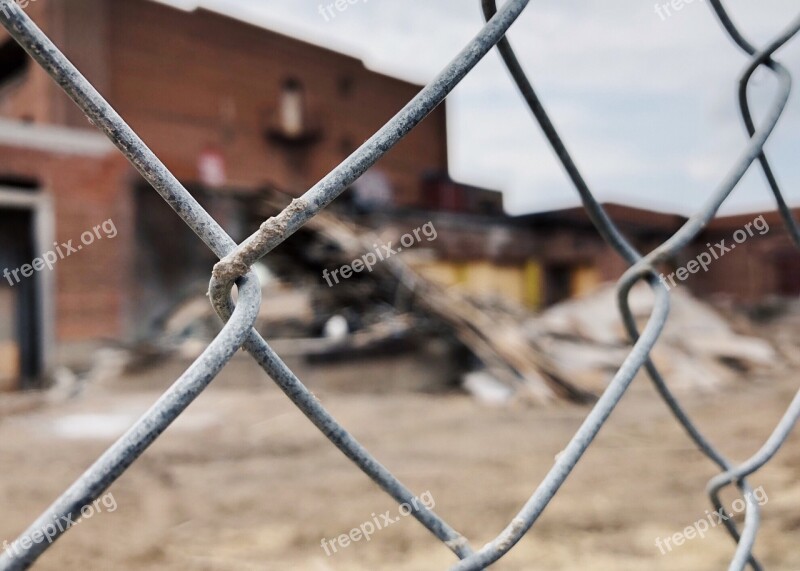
[(237, 259)]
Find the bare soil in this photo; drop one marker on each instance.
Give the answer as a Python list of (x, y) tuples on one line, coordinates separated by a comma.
[(244, 481)]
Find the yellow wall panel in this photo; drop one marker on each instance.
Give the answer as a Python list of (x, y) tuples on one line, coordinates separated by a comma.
[(584, 279)]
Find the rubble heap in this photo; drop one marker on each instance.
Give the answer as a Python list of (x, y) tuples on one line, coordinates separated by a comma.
[(503, 352)]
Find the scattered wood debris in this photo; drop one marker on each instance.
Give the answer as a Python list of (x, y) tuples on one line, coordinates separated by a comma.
[(698, 348), (504, 353)]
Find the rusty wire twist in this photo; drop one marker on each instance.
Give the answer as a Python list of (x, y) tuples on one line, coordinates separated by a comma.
[(236, 261)]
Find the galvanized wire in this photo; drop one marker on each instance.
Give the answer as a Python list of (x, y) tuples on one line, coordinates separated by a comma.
[(236, 261)]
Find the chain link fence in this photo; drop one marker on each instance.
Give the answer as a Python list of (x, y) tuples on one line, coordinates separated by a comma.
[(237, 259)]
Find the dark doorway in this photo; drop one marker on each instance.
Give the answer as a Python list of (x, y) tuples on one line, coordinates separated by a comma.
[(20, 306), (558, 283)]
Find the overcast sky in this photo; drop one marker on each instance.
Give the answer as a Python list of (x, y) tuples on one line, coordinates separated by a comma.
[(646, 103)]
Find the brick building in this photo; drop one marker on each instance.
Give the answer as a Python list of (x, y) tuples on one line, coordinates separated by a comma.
[(543, 258), (537, 259), (234, 110), (229, 107)]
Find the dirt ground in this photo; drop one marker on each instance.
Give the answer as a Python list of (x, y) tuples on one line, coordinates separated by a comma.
[(244, 481)]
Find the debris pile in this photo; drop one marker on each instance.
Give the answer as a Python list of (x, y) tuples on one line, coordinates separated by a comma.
[(500, 352), (698, 348), (778, 320)]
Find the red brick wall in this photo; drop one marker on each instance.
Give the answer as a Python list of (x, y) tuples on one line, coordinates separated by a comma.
[(31, 98), (749, 272), (91, 284), (189, 81), (185, 82)]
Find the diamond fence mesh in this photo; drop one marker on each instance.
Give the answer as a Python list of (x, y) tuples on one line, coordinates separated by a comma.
[(237, 259)]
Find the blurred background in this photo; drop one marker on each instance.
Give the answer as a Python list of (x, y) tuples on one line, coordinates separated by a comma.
[(455, 308)]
